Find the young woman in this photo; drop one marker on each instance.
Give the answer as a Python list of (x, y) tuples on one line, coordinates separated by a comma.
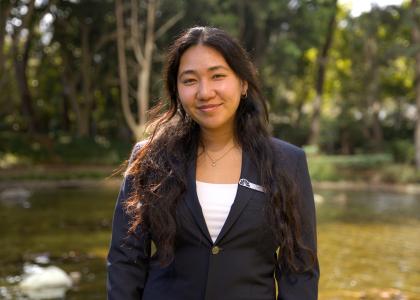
[(211, 206)]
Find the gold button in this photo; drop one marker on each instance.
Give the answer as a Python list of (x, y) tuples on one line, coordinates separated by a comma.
[(215, 250)]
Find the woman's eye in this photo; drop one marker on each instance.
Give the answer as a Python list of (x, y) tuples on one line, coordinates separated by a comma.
[(218, 76), (188, 81)]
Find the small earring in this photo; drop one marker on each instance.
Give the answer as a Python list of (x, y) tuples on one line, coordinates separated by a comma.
[(244, 96)]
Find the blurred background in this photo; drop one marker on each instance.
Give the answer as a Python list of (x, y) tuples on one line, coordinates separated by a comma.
[(77, 78)]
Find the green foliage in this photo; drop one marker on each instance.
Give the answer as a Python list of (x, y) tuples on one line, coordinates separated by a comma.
[(400, 173), (403, 151), (323, 171), (61, 150), (362, 167), (369, 78), (359, 161)]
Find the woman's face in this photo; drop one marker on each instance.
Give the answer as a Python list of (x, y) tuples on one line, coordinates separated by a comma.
[(208, 88)]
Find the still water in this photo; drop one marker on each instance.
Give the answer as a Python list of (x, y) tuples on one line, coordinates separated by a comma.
[(368, 242)]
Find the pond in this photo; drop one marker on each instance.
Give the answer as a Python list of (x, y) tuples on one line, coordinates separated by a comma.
[(369, 242)]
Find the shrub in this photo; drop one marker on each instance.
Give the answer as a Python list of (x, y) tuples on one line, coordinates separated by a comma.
[(403, 151)]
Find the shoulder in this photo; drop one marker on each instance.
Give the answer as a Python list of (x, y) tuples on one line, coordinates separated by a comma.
[(139, 145), (136, 148), (288, 156), (286, 150)]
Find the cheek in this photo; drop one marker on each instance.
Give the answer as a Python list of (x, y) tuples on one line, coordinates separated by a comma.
[(232, 89), (186, 95), (186, 100)]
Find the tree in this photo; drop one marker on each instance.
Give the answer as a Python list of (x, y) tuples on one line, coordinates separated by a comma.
[(4, 13), (415, 7), (320, 77), (83, 32), (373, 80), (140, 37), (21, 42)]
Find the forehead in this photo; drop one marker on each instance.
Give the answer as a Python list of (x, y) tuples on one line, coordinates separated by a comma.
[(201, 58)]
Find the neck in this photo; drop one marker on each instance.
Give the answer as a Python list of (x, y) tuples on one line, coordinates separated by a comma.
[(216, 140)]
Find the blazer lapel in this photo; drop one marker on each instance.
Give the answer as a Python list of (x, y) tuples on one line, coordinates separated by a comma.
[(192, 202), (243, 195)]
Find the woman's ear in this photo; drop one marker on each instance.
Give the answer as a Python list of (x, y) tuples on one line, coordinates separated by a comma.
[(244, 88)]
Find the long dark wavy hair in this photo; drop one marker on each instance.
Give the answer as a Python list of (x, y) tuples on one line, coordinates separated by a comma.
[(159, 168)]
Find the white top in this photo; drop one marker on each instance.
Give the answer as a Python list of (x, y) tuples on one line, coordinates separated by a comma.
[(215, 200)]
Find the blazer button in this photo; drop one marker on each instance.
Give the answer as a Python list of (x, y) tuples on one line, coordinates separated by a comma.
[(215, 250)]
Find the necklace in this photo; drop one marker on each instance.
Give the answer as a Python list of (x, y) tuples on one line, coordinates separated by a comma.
[(214, 161)]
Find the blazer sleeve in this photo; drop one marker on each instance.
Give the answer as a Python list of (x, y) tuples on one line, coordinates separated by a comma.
[(298, 286), (128, 256)]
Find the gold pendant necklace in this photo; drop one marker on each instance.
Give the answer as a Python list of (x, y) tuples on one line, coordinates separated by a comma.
[(214, 161)]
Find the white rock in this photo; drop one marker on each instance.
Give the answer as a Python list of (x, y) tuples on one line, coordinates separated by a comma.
[(15, 193), (47, 293), (44, 283)]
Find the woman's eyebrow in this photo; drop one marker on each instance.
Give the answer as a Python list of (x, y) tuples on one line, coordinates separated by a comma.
[(186, 72), (214, 68), (211, 69)]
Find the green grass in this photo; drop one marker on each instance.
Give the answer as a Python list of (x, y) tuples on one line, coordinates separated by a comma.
[(63, 157), (54, 173), (63, 149), (361, 167)]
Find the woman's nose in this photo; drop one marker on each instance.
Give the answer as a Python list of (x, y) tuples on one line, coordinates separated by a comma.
[(205, 91)]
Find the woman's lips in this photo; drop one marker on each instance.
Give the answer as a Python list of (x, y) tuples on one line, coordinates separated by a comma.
[(209, 107)]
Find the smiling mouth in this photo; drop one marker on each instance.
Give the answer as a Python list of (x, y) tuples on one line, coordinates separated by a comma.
[(209, 107)]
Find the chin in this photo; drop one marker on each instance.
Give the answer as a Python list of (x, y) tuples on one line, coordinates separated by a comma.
[(212, 127), (212, 123)]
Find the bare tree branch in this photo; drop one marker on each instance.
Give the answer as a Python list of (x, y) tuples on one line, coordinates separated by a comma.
[(136, 40), (105, 39), (122, 66), (144, 75), (168, 24), (142, 40)]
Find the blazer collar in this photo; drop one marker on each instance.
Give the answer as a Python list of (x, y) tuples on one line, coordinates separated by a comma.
[(248, 171)]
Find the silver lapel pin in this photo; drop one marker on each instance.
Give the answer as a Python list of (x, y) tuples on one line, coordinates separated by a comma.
[(246, 183)]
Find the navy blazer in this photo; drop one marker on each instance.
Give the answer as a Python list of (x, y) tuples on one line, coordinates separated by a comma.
[(239, 265)]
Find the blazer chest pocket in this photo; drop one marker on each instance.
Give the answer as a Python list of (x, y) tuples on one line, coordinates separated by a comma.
[(253, 219), (257, 202)]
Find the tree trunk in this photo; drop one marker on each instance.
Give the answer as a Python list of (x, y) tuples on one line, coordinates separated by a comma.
[(142, 44), (143, 88), (25, 94), (346, 146), (416, 43), (69, 88), (86, 105), (65, 120), (320, 79), (20, 50), (373, 105), (4, 14), (122, 66), (252, 30)]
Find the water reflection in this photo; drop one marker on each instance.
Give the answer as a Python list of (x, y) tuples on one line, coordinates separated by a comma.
[(15, 197), (368, 242), (368, 207), (69, 227)]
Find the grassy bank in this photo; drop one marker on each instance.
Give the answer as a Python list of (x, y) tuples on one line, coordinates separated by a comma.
[(66, 158), (370, 168), (362, 168), (60, 158)]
